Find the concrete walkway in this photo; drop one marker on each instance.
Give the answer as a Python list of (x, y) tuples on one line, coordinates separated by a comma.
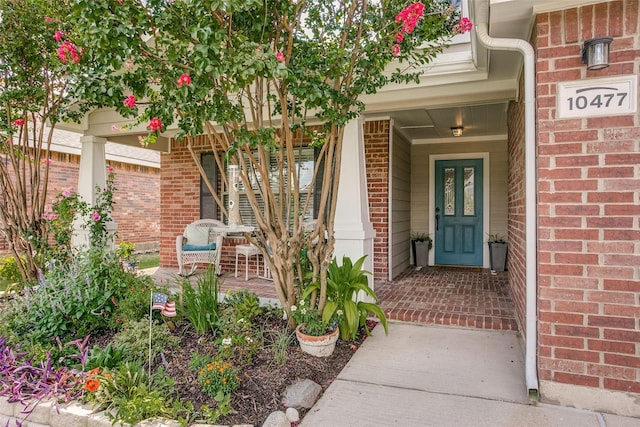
[(439, 376)]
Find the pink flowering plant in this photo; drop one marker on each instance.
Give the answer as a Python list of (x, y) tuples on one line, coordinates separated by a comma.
[(250, 75)]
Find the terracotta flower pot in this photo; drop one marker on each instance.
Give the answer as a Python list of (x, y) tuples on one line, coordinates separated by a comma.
[(319, 346)]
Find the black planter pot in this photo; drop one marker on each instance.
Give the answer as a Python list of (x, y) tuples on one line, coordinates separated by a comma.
[(420, 253), (498, 255)]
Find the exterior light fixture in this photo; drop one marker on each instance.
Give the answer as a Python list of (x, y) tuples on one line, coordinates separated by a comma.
[(595, 53), (457, 131)]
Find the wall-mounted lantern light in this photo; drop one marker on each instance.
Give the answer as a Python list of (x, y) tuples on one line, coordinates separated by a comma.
[(595, 53), (457, 131)]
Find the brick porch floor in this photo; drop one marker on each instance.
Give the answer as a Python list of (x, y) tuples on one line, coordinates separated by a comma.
[(472, 298)]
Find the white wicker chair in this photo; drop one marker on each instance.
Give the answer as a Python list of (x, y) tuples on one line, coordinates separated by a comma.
[(205, 246)]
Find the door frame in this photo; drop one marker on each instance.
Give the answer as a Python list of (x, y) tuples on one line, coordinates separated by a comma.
[(486, 204)]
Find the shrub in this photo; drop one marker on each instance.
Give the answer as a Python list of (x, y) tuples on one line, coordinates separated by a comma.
[(10, 272), (78, 299), (134, 337)]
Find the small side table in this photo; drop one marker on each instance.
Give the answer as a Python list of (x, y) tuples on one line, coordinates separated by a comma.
[(248, 251)]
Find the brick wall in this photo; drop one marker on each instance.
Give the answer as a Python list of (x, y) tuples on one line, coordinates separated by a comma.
[(136, 208), (589, 215), (376, 147), (516, 209)]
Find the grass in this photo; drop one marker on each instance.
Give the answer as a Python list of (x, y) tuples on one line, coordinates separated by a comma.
[(148, 261), (4, 284)]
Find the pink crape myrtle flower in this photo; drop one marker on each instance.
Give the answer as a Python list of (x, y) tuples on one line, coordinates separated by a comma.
[(410, 16), (464, 25), (130, 101), (184, 79), (95, 216), (110, 169), (395, 51), (155, 125), (68, 51), (279, 56), (57, 36), (18, 122), (66, 192), (48, 19)]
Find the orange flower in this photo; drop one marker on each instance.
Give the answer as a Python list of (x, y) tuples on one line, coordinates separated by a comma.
[(91, 385), (93, 372)]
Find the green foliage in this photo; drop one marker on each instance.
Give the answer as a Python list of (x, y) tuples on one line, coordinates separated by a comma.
[(77, 299), (215, 375), (200, 305), (127, 397), (243, 305), (309, 317), (280, 341), (10, 272), (134, 337), (109, 357), (343, 285)]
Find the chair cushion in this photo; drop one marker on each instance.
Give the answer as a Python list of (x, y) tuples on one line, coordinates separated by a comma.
[(196, 235), (188, 247)]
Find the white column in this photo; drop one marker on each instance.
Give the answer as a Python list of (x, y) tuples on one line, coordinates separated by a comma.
[(92, 174), (354, 231)]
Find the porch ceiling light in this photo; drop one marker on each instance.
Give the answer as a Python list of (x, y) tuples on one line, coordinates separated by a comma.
[(457, 131), (595, 53)]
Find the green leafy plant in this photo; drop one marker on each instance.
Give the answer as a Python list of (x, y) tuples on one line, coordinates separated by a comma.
[(10, 272), (344, 283), (311, 321), (496, 238), (215, 375), (237, 339), (422, 237), (243, 304), (125, 250), (134, 337), (108, 358), (128, 394), (200, 304)]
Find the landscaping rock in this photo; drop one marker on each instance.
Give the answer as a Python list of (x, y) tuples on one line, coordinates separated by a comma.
[(301, 394), (277, 419), (293, 415)]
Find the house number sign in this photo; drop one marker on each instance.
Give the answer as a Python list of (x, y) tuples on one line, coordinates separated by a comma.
[(598, 97)]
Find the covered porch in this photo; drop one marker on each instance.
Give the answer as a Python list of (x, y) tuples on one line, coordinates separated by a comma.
[(464, 297)]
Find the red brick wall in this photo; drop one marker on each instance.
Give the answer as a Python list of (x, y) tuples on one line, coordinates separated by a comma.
[(376, 147), (589, 219), (136, 209), (516, 210)]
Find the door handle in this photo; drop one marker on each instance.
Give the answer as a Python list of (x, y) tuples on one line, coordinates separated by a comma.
[(437, 218)]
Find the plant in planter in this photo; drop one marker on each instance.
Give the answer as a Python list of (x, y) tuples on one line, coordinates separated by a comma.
[(344, 283), (421, 244), (125, 253), (498, 249), (316, 335)]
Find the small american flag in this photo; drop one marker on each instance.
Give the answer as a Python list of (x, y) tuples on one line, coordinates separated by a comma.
[(159, 301)]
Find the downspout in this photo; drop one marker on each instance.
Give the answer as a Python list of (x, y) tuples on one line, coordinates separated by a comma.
[(531, 338)]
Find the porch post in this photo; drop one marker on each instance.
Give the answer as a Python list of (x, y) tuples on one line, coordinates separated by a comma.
[(92, 173), (354, 231)]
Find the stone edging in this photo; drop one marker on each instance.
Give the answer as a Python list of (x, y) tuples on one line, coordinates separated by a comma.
[(74, 414)]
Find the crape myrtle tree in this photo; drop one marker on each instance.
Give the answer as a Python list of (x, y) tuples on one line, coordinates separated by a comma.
[(260, 79), (33, 98)]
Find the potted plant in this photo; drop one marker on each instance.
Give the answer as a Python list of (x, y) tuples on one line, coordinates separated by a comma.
[(316, 337), (421, 243), (498, 249), (345, 284), (125, 253)]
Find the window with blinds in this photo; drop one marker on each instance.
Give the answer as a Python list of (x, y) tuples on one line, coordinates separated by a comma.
[(208, 205), (305, 160)]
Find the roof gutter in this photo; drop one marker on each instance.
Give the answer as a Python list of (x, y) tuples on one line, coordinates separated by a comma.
[(531, 337)]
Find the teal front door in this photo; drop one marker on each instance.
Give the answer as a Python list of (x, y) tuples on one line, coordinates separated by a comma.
[(458, 212)]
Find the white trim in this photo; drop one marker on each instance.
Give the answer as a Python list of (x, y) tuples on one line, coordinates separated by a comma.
[(486, 197)]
